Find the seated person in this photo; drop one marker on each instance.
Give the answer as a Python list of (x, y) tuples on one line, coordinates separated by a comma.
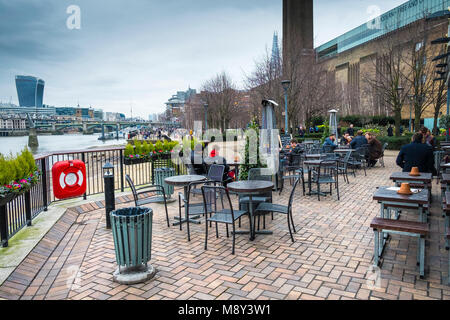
[(330, 142), (214, 158), (429, 139), (358, 141), (416, 154), (346, 139), (293, 149), (375, 149), (198, 164)]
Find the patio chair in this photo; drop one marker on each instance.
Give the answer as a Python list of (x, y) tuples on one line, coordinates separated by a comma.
[(382, 154), (160, 195), (358, 160), (326, 173), (193, 209), (294, 171), (215, 174), (277, 208), (220, 213), (343, 166), (256, 174)]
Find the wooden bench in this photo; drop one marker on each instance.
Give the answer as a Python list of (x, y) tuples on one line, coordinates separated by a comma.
[(408, 228)]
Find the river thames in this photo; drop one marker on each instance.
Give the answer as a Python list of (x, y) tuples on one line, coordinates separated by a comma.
[(56, 143)]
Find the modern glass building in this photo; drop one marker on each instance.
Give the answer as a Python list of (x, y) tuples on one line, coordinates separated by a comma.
[(30, 91), (394, 19)]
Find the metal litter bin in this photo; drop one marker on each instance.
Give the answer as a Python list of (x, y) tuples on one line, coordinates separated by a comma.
[(160, 175), (132, 233)]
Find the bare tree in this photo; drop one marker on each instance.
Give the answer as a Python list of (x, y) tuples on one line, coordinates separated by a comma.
[(223, 100), (389, 79), (425, 92)]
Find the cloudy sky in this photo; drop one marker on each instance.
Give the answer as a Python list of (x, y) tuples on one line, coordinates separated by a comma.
[(139, 52)]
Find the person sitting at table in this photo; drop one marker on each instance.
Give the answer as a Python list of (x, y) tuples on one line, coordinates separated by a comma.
[(375, 149), (416, 154), (346, 139), (330, 142), (214, 158), (358, 141), (351, 131), (428, 138)]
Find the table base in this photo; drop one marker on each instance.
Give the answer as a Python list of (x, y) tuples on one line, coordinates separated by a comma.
[(183, 220)]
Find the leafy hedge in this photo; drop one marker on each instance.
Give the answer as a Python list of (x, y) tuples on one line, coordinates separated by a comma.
[(396, 143), (17, 173)]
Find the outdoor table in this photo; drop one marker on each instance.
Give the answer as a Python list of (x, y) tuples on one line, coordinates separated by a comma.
[(315, 156), (250, 189), (424, 179), (184, 181), (445, 167), (391, 199), (343, 152)]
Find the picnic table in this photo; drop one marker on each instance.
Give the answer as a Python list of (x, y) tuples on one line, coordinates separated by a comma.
[(423, 181)]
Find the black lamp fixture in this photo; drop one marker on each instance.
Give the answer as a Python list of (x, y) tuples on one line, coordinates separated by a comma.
[(442, 56), (443, 40)]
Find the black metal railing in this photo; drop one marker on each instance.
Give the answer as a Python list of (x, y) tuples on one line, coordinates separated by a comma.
[(21, 211)]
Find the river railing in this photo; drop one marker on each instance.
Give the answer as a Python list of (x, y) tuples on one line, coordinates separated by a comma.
[(21, 211)]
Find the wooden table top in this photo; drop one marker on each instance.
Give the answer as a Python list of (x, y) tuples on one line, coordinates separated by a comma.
[(251, 186), (445, 165), (184, 180), (385, 195), (404, 176)]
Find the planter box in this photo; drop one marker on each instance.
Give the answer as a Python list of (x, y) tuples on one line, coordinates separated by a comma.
[(129, 162), (8, 198)]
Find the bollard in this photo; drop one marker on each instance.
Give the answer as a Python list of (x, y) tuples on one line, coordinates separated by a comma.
[(110, 200)]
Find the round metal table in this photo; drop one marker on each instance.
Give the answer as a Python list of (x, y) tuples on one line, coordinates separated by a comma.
[(184, 181), (250, 189)]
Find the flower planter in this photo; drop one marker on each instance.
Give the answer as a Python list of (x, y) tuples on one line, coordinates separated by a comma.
[(129, 162), (4, 200)]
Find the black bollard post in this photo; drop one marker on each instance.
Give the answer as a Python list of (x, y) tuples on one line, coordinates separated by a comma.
[(110, 201)]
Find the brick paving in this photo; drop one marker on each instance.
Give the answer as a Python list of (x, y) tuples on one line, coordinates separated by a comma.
[(329, 260)]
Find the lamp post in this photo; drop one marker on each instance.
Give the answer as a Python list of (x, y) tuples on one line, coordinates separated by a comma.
[(206, 116), (412, 100), (286, 85), (110, 201)]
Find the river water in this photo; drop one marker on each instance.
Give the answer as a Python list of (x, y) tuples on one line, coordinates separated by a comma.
[(47, 144)]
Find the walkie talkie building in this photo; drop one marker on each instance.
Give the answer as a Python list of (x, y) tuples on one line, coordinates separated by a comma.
[(30, 91)]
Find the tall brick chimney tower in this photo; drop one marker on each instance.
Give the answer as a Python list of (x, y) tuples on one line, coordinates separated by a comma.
[(298, 29)]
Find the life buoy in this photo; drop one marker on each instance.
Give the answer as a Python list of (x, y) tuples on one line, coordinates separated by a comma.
[(69, 179)]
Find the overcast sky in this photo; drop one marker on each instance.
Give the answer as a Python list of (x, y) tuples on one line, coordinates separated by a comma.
[(140, 52)]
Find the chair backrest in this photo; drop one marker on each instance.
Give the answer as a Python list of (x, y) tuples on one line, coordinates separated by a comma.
[(291, 197), (215, 172), (384, 148), (133, 188), (210, 195), (328, 149)]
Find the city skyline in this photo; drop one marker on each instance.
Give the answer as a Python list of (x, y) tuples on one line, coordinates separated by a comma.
[(126, 56)]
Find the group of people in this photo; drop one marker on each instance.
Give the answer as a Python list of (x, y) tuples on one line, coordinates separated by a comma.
[(369, 140)]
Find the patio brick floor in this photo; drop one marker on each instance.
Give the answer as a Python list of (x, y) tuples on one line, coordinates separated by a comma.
[(329, 260)]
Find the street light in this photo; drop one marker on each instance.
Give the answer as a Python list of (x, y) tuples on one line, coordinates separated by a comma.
[(286, 85), (206, 116)]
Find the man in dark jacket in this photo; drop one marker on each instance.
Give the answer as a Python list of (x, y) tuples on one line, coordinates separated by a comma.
[(416, 154), (351, 131), (375, 149), (359, 141)]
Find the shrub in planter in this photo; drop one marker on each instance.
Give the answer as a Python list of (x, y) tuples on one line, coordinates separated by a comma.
[(17, 175)]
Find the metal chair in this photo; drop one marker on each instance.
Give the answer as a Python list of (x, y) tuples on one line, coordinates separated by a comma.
[(326, 173), (343, 166), (358, 160), (277, 208), (215, 174), (256, 174), (193, 209), (295, 170), (160, 195), (223, 213)]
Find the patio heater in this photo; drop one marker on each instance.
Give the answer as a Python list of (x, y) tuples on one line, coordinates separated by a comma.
[(333, 122), (268, 138), (110, 201)]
